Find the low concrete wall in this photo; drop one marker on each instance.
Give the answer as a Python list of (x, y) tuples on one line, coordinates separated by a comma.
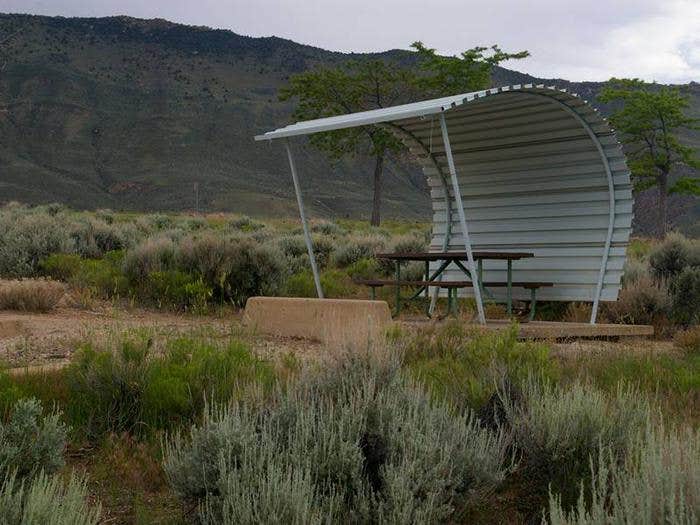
[(342, 322)]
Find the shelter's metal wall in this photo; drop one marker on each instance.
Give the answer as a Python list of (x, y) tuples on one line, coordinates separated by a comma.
[(532, 179)]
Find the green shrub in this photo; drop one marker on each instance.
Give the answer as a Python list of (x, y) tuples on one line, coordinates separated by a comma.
[(333, 282), (558, 430), (670, 257), (177, 290), (658, 483), (353, 442), (60, 266), (685, 296), (363, 269), (27, 238), (46, 500), (356, 248), (152, 255), (466, 366), (327, 228), (131, 388), (31, 442), (635, 270), (246, 224), (645, 302)]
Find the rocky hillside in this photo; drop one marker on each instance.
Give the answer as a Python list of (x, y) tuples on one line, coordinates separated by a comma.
[(130, 114)]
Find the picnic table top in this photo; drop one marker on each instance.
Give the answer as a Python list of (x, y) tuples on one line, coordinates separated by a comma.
[(453, 256)]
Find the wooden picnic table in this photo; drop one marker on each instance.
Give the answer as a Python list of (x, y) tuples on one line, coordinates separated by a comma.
[(457, 258)]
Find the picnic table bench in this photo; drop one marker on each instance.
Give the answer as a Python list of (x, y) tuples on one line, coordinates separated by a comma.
[(434, 279)]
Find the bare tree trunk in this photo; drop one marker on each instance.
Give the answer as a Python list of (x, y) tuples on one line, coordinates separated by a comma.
[(377, 198), (663, 205)]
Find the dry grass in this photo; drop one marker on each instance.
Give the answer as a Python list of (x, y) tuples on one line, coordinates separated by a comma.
[(30, 295), (688, 340)]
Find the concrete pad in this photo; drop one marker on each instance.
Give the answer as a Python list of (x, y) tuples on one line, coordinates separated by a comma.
[(341, 322)]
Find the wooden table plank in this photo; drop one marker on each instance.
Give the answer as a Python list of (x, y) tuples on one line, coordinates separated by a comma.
[(454, 256)]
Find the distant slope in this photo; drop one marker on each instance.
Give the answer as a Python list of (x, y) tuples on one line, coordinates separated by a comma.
[(129, 114)]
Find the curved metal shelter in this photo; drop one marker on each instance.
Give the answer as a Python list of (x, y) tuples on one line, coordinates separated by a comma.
[(514, 168)]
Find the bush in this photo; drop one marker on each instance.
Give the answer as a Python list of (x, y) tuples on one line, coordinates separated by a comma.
[(27, 238), (246, 224), (153, 255), (327, 228), (658, 483), (103, 276), (32, 295), (31, 442), (353, 442), (558, 430), (358, 247), (466, 366), (635, 271), (685, 296), (130, 388), (177, 290), (46, 500), (646, 302), (670, 257), (688, 340), (363, 269), (333, 282)]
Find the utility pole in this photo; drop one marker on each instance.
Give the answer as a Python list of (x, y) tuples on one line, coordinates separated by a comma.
[(196, 198)]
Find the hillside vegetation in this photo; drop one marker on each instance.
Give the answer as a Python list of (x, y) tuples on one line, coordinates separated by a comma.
[(129, 114)]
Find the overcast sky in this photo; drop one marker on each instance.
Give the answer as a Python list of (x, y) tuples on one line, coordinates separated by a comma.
[(586, 40)]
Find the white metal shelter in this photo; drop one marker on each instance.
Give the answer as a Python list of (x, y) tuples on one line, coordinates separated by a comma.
[(515, 168)]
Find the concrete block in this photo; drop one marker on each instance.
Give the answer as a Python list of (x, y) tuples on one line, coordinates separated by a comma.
[(337, 322)]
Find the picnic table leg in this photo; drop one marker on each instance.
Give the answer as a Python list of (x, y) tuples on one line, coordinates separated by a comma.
[(509, 290), (533, 303), (373, 292), (427, 289), (398, 287)]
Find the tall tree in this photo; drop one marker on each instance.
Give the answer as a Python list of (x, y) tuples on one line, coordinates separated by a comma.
[(442, 76), (372, 84), (354, 86), (648, 123)]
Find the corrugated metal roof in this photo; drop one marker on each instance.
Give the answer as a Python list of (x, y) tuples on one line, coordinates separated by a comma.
[(538, 170)]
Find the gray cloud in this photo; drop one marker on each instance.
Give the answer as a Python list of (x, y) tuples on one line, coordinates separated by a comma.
[(591, 40)]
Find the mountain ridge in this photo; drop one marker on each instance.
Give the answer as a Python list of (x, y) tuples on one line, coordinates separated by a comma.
[(128, 113)]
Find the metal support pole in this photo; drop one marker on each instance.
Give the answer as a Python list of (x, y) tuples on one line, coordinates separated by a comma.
[(509, 290), (462, 218), (304, 224)]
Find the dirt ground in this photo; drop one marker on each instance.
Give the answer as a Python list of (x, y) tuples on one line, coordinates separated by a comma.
[(29, 340)]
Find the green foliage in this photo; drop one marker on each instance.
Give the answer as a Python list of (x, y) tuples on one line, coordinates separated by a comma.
[(156, 254), (363, 269), (175, 289), (658, 483), (132, 388), (466, 366), (246, 224), (358, 247), (642, 302), (648, 122), (46, 500), (333, 282), (668, 258), (352, 442), (685, 296), (558, 430), (31, 442), (445, 76)]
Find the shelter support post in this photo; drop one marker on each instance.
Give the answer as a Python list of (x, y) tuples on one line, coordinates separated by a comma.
[(462, 219), (304, 224)]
